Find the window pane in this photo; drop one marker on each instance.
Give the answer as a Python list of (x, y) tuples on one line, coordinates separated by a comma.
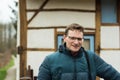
[(86, 44), (109, 11)]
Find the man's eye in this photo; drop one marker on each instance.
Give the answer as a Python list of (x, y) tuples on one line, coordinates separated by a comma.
[(73, 38), (79, 39)]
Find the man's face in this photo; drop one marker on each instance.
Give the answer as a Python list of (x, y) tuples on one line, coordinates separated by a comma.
[(74, 40)]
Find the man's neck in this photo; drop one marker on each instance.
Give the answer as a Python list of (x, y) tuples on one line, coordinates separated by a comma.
[(74, 53)]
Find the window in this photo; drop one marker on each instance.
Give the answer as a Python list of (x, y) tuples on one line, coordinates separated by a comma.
[(109, 11), (88, 42)]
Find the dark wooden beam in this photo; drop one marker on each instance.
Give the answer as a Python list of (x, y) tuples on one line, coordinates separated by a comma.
[(23, 37), (41, 7), (60, 9)]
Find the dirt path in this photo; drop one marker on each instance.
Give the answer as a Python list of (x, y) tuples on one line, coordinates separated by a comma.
[(11, 73)]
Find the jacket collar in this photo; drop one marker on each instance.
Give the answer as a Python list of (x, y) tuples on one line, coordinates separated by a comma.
[(64, 50)]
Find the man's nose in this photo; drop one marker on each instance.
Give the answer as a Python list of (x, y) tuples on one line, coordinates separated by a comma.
[(76, 41)]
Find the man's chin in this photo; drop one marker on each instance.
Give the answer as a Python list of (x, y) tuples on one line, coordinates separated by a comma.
[(75, 50)]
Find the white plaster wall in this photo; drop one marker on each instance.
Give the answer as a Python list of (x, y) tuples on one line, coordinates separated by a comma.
[(63, 18), (17, 62), (112, 57), (60, 30), (110, 37), (43, 38), (35, 58), (33, 4), (79, 4)]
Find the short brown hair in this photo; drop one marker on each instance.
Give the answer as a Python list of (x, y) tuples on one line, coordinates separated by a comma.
[(74, 26)]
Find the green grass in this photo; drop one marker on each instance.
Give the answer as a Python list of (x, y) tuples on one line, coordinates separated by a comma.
[(3, 71)]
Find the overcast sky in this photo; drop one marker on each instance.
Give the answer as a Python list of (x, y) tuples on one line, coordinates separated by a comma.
[(6, 14)]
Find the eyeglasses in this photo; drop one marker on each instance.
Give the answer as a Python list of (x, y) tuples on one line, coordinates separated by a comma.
[(74, 38)]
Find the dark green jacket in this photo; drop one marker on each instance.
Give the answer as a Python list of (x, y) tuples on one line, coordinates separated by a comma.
[(61, 65)]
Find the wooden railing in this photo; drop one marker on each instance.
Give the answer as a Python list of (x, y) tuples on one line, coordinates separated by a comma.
[(29, 75)]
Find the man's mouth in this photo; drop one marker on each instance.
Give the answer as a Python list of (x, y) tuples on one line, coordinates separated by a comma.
[(76, 46)]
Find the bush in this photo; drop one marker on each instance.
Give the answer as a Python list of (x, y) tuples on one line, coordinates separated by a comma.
[(3, 74), (3, 71)]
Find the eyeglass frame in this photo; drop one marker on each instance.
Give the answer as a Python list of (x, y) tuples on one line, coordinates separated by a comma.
[(75, 38)]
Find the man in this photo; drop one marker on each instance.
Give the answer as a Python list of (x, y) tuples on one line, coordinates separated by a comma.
[(72, 62)]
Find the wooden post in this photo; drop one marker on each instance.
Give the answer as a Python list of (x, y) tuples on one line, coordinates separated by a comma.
[(23, 37), (98, 24)]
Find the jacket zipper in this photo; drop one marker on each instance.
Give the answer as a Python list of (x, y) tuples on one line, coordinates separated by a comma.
[(75, 72)]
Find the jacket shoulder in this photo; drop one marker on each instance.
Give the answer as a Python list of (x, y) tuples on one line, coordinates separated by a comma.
[(53, 56)]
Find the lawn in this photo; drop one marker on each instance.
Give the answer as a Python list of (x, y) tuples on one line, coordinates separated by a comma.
[(3, 71)]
